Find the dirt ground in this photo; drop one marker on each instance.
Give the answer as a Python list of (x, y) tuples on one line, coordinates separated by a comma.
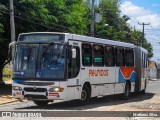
[(6, 93)]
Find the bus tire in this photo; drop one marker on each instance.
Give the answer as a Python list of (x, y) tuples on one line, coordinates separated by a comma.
[(85, 95), (126, 94), (41, 103), (144, 90)]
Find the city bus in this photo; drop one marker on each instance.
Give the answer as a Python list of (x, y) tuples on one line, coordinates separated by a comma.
[(50, 66)]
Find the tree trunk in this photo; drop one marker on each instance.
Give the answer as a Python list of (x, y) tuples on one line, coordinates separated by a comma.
[(1, 75)]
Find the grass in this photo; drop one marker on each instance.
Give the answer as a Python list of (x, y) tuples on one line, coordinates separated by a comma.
[(7, 74)]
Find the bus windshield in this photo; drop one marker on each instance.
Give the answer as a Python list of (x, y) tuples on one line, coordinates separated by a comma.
[(51, 61), (25, 61), (43, 61)]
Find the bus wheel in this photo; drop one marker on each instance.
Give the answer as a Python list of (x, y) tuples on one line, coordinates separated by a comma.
[(85, 95), (127, 92), (144, 90), (41, 103)]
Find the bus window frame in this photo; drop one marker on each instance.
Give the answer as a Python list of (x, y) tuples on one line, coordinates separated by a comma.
[(90, 44), (103, 54), (113, 56), (123, 55), (126, 58)]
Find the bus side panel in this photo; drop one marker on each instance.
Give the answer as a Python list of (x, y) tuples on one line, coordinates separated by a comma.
[(108, 89), (143, 78), (110, 86), (119, 86), (145, 72), (122, 75), (100, 78)]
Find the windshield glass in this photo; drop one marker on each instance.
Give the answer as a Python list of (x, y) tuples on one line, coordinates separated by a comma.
[(39, 61), (51, 61), (25, 61)]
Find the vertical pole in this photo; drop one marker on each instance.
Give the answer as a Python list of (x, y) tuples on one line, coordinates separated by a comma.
[(92, 20), (12, 25), (143, 24), (143, 35)]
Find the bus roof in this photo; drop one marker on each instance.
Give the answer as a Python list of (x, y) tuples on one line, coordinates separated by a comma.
[(89, 39), (98, 40)]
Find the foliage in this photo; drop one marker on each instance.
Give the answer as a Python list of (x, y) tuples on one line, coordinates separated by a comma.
[(65, 16), (7, 74), (118, 28), (51, 15)]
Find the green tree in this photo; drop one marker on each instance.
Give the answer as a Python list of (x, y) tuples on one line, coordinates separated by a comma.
[(65, 16), (117, 28), (4, 41), (41, 15)]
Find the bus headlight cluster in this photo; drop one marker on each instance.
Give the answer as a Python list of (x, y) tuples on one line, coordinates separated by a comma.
[(56, 89), (17, 88)]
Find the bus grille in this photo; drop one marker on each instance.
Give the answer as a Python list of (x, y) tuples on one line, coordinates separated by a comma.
[(35, 96), (35, 90)]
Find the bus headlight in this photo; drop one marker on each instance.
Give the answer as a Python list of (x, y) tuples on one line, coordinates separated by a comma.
[(56, 89), (17, 88)]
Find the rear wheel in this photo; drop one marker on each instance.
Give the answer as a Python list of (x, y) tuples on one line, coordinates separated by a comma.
[(127, 91), (85, 95), (144, 90), (41, 103)]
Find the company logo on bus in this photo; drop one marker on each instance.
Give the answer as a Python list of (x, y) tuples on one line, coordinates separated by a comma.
[(98, 73)]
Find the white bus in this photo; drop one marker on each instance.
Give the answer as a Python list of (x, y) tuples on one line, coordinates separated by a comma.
[(52, 66)]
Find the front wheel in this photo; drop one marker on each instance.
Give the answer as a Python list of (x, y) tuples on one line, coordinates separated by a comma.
[(41, 103)]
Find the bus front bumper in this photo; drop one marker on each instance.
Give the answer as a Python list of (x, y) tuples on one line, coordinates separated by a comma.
[(39, 93)]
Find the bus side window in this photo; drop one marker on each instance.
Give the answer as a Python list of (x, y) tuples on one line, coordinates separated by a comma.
[(120, 57), (109, 56), (98, 55), (129, 57), (86, 54), (146, 62), (73, 63), (142, 59)]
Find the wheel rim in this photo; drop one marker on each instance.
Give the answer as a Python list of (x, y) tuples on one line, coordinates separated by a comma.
[(84, 95)]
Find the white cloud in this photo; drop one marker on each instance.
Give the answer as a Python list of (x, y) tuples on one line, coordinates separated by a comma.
[(139, 14), (132, 10), (153, 19)]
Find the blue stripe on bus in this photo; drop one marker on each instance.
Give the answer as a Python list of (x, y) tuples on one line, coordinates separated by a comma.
[(18, 81), (122, 79)]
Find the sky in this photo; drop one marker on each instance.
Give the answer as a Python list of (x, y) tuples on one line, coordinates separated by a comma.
[(147, 11)]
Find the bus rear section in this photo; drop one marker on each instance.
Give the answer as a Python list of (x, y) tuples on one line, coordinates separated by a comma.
[(142, 70)]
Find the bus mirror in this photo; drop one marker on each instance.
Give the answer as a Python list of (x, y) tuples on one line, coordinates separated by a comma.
[(11, 46), (73, 53)]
